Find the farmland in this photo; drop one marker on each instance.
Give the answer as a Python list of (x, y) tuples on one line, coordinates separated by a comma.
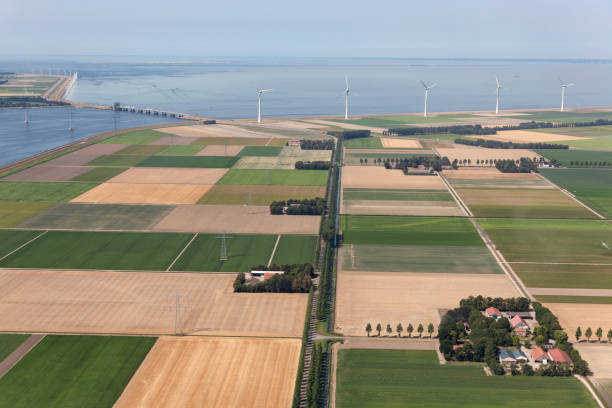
[(46, 192), (189, 161), (578, 158), (145, 193), (260, 151), (374, 378), (12, 213), (99, 174), (294, 249), (594, 300), (394, 121), (117, 160), (378, 177), (363, 143), (11, 239), (275, 177), (179, 150), (542, 275), (74, 371), (399, 202), (258, 194), (9, 342), (140, 137)]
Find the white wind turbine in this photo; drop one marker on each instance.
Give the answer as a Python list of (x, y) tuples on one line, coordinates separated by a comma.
[(259, 92), (499, 88), (563, 88), (427, 88), (346, 97)]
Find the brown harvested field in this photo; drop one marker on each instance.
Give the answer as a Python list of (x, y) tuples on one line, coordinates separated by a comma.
[(396, 297), (572, 315), (258, 194), (379, 177), (133, 193), (45, 172), (80, 157), (345, 125), (236, 219), (599, 356), (142, 303), (397, 207), (219, 150), (526, 136), (535, 197), (481, 153), (215, 372), (169, 176), (172, 140), (392, 143), (484, 173)]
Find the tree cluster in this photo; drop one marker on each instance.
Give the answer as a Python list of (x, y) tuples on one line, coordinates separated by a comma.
[(589, 164), (524, 165), (515, 304), (306, 206), (28, 102), (209, 122), (455, 129), (297, 278), (312, 165), (496, 144), (350, 134), (307, 144), (406, 163)]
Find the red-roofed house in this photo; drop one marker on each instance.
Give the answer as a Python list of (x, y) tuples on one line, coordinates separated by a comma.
[(539, 356), (493, 312), (560, 356), (457, 346), (519, 325)]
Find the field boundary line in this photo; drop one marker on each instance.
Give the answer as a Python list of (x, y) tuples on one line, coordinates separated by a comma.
[(591, 390), (456, 197), (274, 249), (570, 195), (559, 263), (182, 251), (23, 245), (20, 352)]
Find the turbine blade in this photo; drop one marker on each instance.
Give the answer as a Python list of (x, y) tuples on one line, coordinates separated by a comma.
[(571, 84), (425, 86), (497, 80), (432, 86)]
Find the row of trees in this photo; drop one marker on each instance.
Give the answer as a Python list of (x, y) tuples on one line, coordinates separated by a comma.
[(312, 165), (589, 164), (307, 144), (350, 134), (297, 278), (589, 333), (496, 144), (524, 165), (315, 393), (314, 206), (432, 162), (515, 304), (399, 329)]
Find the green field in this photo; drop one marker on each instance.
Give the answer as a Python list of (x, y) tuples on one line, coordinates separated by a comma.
[(99, 250), (258, 195), (563, 117), (410, 378), (395, 195), (39, 191), (141, 150), (591, 186), (189, 161), (13, 239), (397, 230), (117, 160), (363, 143), (577, 158), (243, 250), (179, 150), (593, 300), (74, 371), (99, 217), (537, 275), (418, 259), (137, 137), (12, 213), (275, 177), (266, 151), (295, 249), (498, 183), (595, 137), (9, 342), (400, 120), (99, 174)]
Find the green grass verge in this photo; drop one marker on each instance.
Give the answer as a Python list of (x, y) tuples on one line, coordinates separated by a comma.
[(363, 143), (189, 161), (275, 177), (395, 195), (577, 158), (13, 213), (397, 230), (260, 151), (99, 250), (40, 191), (409, 378), (400, 120), (99, 174), (565, 275), (74, 371), (9, 342), (141, 150), (243, 250), (179, 150), (595, 300), (295, 249), (137, 137), (117, 160)]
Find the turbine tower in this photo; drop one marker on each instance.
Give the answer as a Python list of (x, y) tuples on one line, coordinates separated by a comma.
[(26, 120), (427, 88), (346, 97), (563, 88), (259, 92), (499, 87)]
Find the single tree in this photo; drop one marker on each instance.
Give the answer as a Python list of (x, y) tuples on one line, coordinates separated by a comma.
[(361, 160), (365, 161), (610, 336), (560, 337), (430, 329), (378, 329), (399, 329), (368, 329), (588, 333), (578, 334), (409, 329), (420, 329), (599, 333), (389, 329)]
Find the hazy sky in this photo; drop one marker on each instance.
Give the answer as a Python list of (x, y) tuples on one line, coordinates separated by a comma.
[(343, 28)]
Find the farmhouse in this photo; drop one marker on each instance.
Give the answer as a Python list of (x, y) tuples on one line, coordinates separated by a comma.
[(539, 356), (265, 275), (508, 357), (560, 356), (519, 325), (493, 312)]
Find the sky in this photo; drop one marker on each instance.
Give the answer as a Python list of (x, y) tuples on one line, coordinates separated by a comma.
[(574, 29)]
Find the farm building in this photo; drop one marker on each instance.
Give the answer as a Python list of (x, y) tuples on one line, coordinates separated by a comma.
[(493, 312), (560, 356), (507, 356), (539, 356), (265, 275), (519, 325)]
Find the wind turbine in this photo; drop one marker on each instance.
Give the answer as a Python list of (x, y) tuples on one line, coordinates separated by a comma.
[(499, 87), (563, 88), (346, 96), (25, 107), (427, 88), (259, 92), (70, 128)]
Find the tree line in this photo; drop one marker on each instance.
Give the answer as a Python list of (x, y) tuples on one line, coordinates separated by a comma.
[(589, 333), (496, 144), (406, 163), (28, 101), (350, 134), (308, 144), (399, 329), (297, 278), (525, 165), (312, 165), (306, 206), (589, 164), (315, 393), (515, 304)]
